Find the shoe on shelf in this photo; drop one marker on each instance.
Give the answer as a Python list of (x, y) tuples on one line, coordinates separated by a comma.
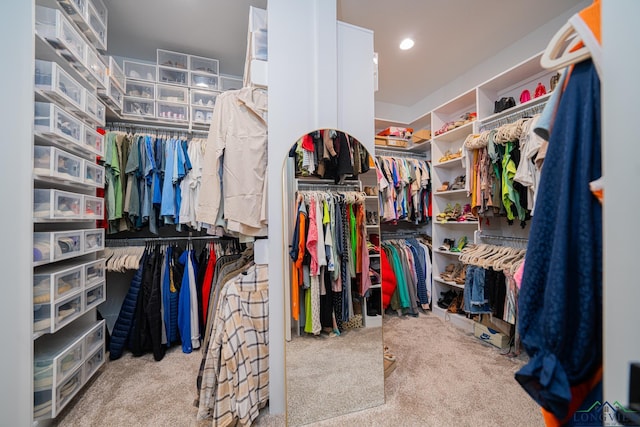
[(462, 242)]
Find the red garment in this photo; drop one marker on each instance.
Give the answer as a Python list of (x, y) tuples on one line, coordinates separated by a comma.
[(389, 281), (307, 143), (206, 285)]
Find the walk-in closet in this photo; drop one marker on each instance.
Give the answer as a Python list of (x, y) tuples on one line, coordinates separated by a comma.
[(289, 213)]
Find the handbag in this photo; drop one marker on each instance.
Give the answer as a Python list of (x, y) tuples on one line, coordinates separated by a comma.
[(540, 90), (503, 104), (525, 96)]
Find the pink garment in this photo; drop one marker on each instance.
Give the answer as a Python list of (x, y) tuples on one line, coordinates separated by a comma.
[(312, 238), (518, 275), (366, 279)]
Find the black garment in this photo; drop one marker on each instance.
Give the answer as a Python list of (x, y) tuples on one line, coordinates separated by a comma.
[(343, 148)]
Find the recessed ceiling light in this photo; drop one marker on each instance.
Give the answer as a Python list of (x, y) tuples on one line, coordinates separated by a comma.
[(406, 44)]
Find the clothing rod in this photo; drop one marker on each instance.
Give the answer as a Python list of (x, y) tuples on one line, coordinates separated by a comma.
[(507, 238), (151, 126), (390, 153), (136, 241), (336, 187), (530, 111)]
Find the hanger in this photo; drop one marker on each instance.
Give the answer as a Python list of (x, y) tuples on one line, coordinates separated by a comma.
[(559, 53)]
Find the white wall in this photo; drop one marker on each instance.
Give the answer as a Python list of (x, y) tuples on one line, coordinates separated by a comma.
[(621, 165), (16, 122)]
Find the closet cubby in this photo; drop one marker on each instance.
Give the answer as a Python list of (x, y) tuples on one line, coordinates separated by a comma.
[(172, 111), (56, 163), (203, 98), (52, 25), (138, 89), (93, 110), (63, 364), (169, 59), (57, 85), (201, 115), (177, 94), (203, 81), (93, 174), (139, 71), (511, 83), (230, 83), (453, 112), (139, 107), (203, 65)]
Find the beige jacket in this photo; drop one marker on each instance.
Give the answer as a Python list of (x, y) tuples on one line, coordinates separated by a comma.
[(237, 145)]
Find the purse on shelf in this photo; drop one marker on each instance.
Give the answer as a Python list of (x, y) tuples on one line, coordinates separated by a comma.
[(503, 104), (525, 96), (540, 90), (554, 81)]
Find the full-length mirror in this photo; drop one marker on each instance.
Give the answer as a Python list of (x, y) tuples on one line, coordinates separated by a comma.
[(334, 350)]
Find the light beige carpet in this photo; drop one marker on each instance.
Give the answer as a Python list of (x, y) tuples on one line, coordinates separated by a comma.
[(444, 377)]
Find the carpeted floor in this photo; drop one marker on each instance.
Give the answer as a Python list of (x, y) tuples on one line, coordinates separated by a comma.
[(444, 377)]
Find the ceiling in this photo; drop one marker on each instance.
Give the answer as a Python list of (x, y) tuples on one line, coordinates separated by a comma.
[(451, 36)]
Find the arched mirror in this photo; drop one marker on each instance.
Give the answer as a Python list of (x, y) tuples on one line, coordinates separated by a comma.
[(334, 349)]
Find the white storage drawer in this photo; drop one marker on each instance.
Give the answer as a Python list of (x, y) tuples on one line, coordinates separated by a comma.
[(53, 81), (51, 246), (41, 318), (170, 59), (93, 174), (97, 69), (94, 296), (94, 108), (93, 240), (172, 94), (52, 368), (100, 10), (94, 338), (42, 404), (116, 73), (173, 76), (93, 363), (168, 110), (56, 204), (230, 83), (53, 121), (93, 140), (50, 284), (55, 28), (66, 311), (203, 65), (94, 272), (203, 81), (139, 71), (203, 98), (112, 95), (76, 9), (97, 28), (201, 115), (139, 89), (139, 107), (93, 207), (54, 162), (68, 389)]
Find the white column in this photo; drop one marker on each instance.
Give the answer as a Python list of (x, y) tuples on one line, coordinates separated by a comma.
[(621, 165), (16, 122)]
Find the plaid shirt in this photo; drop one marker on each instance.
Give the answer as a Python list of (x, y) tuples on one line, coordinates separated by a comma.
[(235, 381)]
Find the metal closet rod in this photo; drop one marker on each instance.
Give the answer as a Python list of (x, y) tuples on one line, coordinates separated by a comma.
[(152, 127), (389, 153), (530, 111), (136, 241), (506, 238), (336, 187)]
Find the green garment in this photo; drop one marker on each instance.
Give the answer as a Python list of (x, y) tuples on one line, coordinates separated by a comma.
[(400, 276), (113, 179), (509, 194)]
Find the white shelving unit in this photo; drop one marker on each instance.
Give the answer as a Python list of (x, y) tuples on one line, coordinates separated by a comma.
[(68, 268)]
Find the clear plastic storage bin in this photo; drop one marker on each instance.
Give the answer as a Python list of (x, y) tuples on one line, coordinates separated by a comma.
[(97, 28), (93, 296), (93, 174), (140, 89), (93, 240), (203, 98), (203, 65), (57, 245), (139, 107), (169, 111), (112, 95), (93, 363), (172, 94), (140, 71), (59, 32), (100, 10), (230, 83), (52, 283), (54, 82), (56, 204), (56, 163), (53, 367), (201, 115), (66, 311), (53, 121), (94, 272), (166, 58), (93, 140), (42, 404), (116, 73), (203, 81), (173, 76), (75, 9), (94, 109), (41, 318), (68, 389), (94, 338), (97, 69), (93, 207)]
